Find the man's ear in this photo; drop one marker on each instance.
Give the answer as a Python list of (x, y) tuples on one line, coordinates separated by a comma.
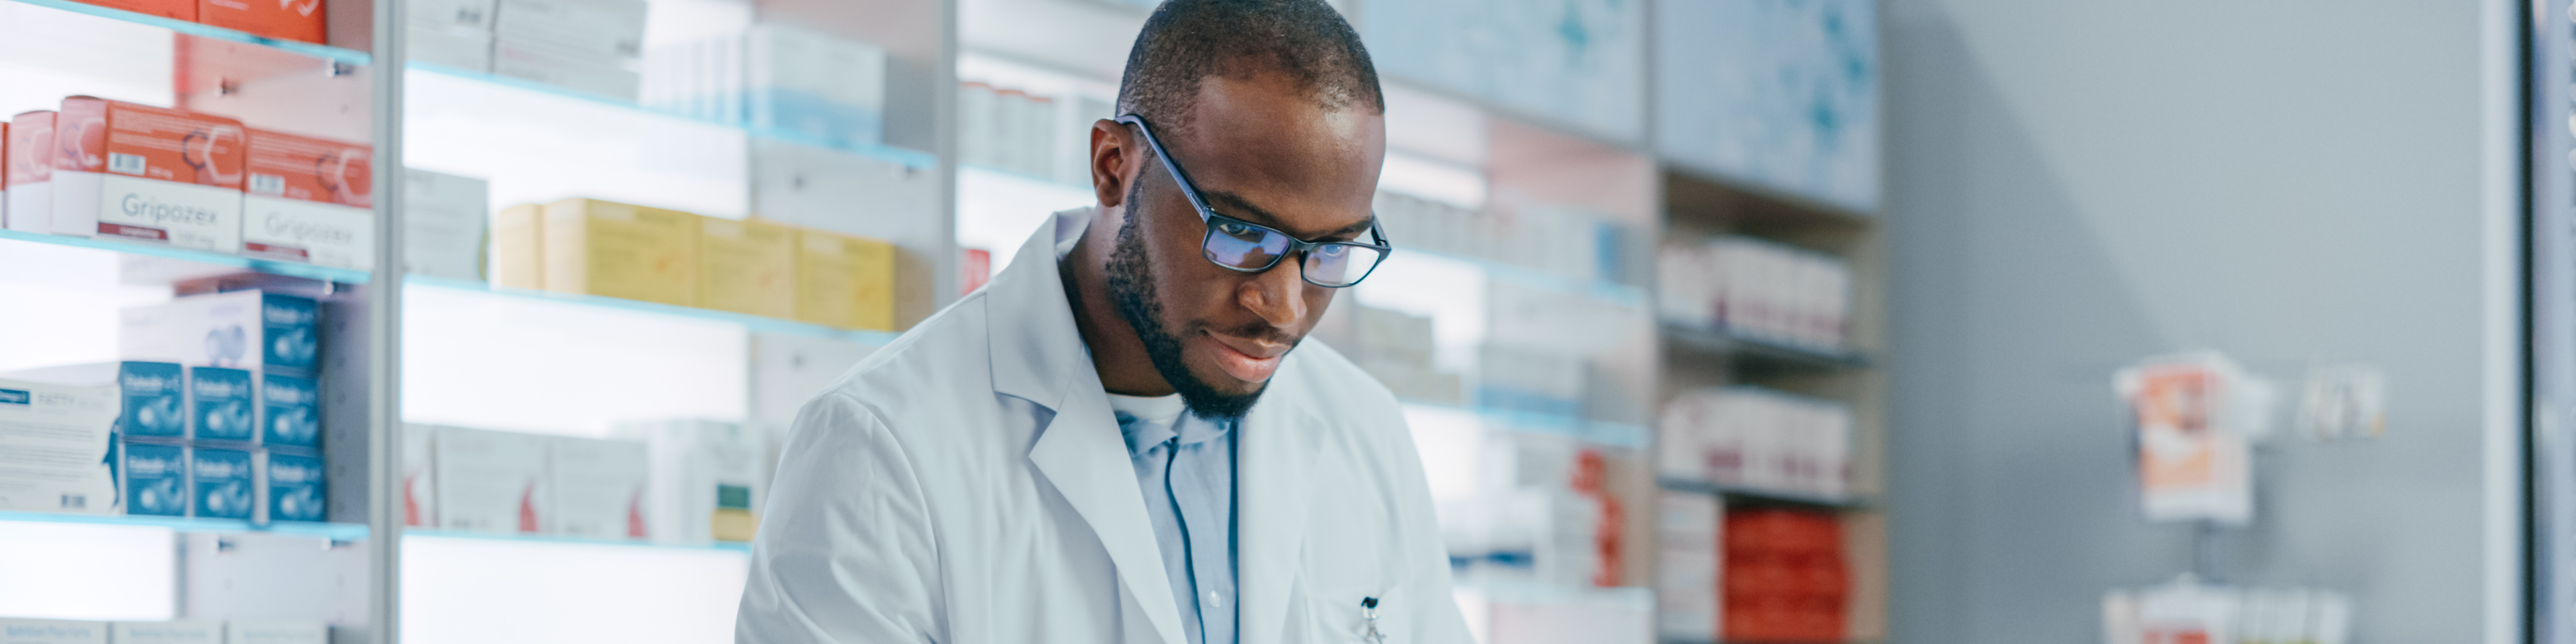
[(1113, 152)]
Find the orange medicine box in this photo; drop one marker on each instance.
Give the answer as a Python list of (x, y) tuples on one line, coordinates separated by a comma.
[(282, 19), (29, 172), (180, 9), (144, 173), (309, 200)]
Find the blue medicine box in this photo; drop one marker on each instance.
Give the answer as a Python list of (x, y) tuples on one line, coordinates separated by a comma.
[(156, 479), (290, 411), (155, 399), (222, 482), (295, 487), (222, 402)]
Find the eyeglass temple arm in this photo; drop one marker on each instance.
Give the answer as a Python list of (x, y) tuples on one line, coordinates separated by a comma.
[(1188, 189)]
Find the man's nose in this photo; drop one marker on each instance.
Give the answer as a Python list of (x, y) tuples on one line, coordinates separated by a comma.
[(1277, 295)]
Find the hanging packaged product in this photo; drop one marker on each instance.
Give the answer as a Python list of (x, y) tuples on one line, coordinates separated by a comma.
[(618, 250), (599, 488), (221, 484), (290, 487), (51, 631), (276, 631), (155, 479), (269, 332), (747, 266), (2186, 610), (2196, 417), (706, 482), (290, 411), (184, 631), (489, 481), (143, 173), (55, 442), (297, 20), (30, 173), (443, 222), (309, 200), (222, 404), (844, 281)]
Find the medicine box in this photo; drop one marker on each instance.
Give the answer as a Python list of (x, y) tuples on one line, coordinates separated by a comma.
[(276, 631), (815, 86), (221, 403), (453, 33), (588, 46), (599, 488), (55, 459), (290, 487), (620, 250), (519, 247), (551, 64), (705, 483), (179, 9), (490, 481), (51, 631), (747, 266), (165, 176), (185, 631), (298, 20), (270, 332), (222, 483), (156, 479), (290, 411), (844, 281), (29, 172), (309, 200), (444, 216), (155, 399)]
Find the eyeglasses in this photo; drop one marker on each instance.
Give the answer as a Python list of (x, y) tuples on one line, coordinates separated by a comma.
[(1248, 247)]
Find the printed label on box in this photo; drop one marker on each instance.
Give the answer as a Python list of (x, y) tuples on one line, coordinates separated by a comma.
[(145, 210), (57, 456), (291, 411), (101, 137), (51, 631), (222, 403), (295, 487), (304, 231), (156, 479), (154, 399), (222, 480), (185, 631)]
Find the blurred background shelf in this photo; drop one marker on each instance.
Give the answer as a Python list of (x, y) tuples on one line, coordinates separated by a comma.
[(726, 546), (1591, 431), (911, 158), (333, 531), (350, 56), (273, 267), (1723, 343), (753, 323), (1760, 495)]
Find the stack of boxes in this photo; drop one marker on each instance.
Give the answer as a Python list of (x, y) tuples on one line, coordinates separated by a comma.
[(784, 82), (185, 631), (755, 267), (245, 443), (1784, 577), (680, 481), (1011, 130), (1757, 289), (1397, 349), (117, 170), (1758, 438), (299, 20), (1570, 243), (1687, 566)]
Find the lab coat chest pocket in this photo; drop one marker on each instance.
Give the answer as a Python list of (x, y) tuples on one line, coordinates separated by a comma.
[(1352, 556)]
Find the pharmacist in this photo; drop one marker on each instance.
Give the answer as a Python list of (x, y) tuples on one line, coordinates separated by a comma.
[(1130, 444)]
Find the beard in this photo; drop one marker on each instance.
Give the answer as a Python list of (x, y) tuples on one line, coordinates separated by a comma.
[(1131, 288)]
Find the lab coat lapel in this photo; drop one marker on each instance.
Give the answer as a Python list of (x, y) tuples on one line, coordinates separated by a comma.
[(1270, 522), (1038, 355)]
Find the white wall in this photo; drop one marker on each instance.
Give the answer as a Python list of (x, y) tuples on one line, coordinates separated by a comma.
[(2074, 185)]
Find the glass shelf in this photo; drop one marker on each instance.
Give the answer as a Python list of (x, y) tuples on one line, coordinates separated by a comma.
[(272, 267), (753, 323), (908, 157), (333, 531), (1758, 494), (1723, 343), (1592, 431), (733, 546), (350, 56), (1611, 292)]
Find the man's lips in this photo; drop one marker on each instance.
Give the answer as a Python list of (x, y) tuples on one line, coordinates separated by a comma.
[(1247, 360)]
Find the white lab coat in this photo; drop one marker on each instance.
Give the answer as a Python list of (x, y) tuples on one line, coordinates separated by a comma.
[(967, 484)]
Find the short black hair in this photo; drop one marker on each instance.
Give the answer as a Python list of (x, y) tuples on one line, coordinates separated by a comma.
[(1187, 41)]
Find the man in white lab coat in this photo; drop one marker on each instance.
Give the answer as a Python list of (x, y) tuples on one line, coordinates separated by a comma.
[(1130, 443)]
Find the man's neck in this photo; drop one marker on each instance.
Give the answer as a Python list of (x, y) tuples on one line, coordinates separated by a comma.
[(1116, 353)]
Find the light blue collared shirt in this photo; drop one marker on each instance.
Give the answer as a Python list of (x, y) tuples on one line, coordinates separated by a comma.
[(1187, 476)]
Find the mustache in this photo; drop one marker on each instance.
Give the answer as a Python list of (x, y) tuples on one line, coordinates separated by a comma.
[(1256, 331)]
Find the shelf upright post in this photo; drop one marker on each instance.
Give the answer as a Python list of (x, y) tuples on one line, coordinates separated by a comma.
[(384, 328)]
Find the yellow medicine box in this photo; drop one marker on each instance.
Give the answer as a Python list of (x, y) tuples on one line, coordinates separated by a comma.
[(747, 267), (518, 247), (844, 281), (619, 250)]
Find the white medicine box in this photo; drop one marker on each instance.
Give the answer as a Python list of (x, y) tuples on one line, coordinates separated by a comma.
[(490, 481), (599, 488), (185, 631), (55, 459), (51, 631), (706, 481), (270, 332)]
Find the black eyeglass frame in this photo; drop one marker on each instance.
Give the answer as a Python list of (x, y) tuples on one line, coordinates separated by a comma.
[(1211, 217)]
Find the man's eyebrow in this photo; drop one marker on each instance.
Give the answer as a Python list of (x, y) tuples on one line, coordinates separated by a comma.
[(1233, 205)]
